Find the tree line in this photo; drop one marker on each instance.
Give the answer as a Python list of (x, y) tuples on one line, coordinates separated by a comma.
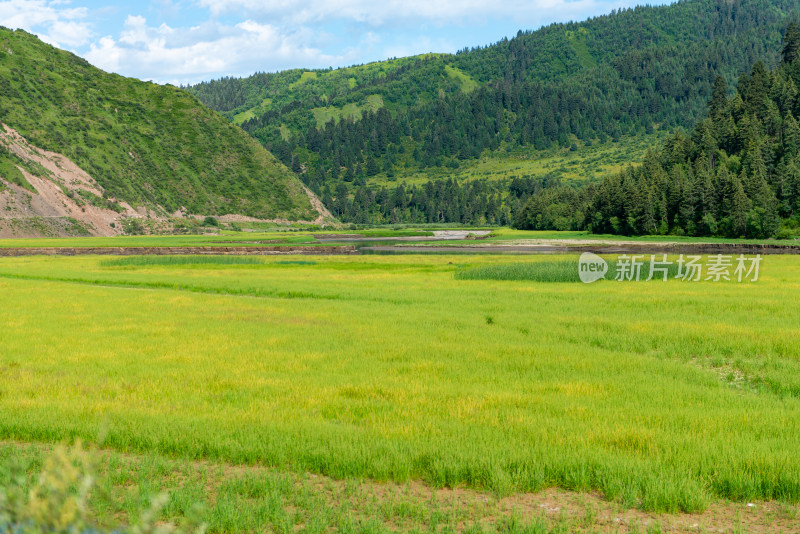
[(564, 85), (735, 174), (476, 202)]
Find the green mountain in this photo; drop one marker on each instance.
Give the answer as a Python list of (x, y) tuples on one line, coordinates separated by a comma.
[(363, 136), (736, 174), (138, 149)]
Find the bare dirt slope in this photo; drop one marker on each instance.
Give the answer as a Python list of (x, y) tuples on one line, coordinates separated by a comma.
[(66, 201)]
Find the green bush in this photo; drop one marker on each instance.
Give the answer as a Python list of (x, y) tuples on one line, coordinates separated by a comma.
[(132, 226)]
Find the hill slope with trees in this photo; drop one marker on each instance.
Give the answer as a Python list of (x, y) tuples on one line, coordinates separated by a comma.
[(736, 174), (153, 147), (355, 135)]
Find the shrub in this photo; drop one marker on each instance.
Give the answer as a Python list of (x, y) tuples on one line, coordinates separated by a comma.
[(132, 226), (57, 499)]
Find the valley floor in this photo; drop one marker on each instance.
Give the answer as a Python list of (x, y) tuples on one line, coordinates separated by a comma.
[(370, 393)]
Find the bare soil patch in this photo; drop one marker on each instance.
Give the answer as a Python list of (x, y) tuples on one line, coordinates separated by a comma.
[(571, 511)]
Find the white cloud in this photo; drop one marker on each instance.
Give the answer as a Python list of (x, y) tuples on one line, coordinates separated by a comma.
[(209, 50), (68, 33), (239, 37), (392, 12), (53, 21)]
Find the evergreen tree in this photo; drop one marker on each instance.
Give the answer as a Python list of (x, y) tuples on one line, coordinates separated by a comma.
[(719, 97), (740, 207), (791, 43)]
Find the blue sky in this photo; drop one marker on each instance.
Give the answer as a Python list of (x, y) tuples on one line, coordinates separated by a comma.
[(186, 41)]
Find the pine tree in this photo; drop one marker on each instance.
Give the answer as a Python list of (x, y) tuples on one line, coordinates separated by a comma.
[(648, 217), (757, 90), (788, 97), (707, 142), (791, 136), (341, 201), (740, 207), (793, 187), (371, 166), (724, 192), (791, 43), (709, 196), (772, 220), (719, 96)]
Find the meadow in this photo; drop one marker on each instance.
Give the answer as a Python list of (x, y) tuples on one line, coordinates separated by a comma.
[(290, 384), (277, 235), (273, 235), (590, 162)]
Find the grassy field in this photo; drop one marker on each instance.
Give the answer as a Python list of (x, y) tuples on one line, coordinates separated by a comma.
[(664, 397), (571, 167), (348, 111), (298, 236), (285, 236), (244, 116), (222, 239), (465, 80)]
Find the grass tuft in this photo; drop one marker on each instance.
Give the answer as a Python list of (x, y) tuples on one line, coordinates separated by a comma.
[(545, 271)]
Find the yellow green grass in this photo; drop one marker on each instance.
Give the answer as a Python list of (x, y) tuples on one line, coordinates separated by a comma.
[(246, 115), (276, 236), (578, 41), (224, 238), (306, 77), (329, 82), (235, 498), (465, 80), (588, 163), (663, 396), (351, 111), (299, 236)]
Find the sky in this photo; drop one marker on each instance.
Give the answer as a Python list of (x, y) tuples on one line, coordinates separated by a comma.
[(188, 41)]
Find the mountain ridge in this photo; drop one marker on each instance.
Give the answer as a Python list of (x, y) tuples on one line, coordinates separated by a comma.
[(149, 151), (631, 73), (736, 174)]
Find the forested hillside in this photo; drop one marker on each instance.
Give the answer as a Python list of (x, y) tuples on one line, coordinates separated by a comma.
[(151, 146), (736, 174), (350, 132)]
